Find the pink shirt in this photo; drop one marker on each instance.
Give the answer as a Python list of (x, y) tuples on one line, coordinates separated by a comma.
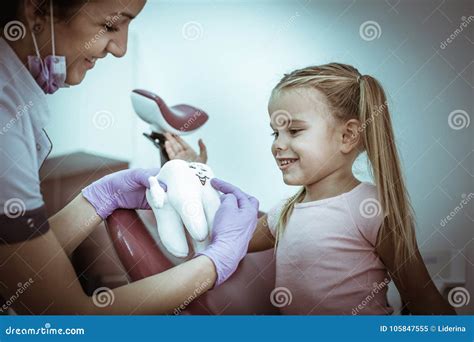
[(326, 260)]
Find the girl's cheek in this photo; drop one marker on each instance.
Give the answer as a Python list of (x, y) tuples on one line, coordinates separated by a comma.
[(302, 146)]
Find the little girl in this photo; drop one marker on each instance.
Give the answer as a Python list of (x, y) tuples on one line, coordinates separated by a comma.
[(339, 241)]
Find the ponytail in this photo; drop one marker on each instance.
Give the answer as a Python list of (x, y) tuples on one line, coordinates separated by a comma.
[(379, 142)]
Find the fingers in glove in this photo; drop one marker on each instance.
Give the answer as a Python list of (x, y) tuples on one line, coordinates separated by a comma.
[(141, 176), (228, 188), (253, 202), (229, 201)]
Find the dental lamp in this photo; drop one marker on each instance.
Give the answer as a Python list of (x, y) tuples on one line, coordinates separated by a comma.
[(179, 119)]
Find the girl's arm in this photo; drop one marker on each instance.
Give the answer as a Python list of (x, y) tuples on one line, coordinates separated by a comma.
[(54, 287), (262, 238), (414, 283)]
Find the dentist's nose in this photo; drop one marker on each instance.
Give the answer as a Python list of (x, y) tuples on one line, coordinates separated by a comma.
[(118, 45)]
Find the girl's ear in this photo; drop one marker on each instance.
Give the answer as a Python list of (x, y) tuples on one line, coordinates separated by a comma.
[(351, 138)]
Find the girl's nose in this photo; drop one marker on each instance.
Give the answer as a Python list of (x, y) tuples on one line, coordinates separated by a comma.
[(280, 143)]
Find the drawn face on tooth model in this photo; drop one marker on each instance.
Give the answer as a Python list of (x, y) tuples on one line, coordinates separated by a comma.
[(190, 200), (203, 172)]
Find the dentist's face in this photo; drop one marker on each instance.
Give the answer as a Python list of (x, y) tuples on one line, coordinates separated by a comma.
[(305, 145), (95, 30)]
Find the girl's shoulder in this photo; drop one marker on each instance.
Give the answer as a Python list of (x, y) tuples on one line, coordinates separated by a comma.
[(366, 210), (274, 214)]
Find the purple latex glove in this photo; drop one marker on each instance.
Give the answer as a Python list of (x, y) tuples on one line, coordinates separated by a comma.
[(234, 225), (122, 189)]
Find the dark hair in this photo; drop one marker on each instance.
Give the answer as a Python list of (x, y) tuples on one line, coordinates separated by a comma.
[(63, 9)]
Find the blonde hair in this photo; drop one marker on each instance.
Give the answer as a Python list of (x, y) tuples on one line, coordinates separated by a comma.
[(352, 95)]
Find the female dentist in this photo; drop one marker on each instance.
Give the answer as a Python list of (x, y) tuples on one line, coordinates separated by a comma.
[(35, 249)]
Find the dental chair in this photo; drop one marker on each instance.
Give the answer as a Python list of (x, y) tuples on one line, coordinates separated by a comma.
[(139, 248)]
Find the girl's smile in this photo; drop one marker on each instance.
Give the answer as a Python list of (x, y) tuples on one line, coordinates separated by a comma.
[(285, 163)]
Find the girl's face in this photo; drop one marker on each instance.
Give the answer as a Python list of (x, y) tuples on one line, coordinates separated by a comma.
[(98, 28), (306, 146)]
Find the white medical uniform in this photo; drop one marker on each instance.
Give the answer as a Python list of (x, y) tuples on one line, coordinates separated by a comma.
[(24, 145)]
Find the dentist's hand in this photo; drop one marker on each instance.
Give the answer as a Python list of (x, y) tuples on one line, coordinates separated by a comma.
[(122, 189), (234, 225), (177, 148)]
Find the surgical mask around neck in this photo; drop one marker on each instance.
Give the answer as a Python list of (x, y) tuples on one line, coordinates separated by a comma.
[(50, 73)]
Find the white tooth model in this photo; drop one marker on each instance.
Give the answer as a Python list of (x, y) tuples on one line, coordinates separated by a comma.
[(190, 200)]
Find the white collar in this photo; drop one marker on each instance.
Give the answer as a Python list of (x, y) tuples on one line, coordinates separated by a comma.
[(14, 75)]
